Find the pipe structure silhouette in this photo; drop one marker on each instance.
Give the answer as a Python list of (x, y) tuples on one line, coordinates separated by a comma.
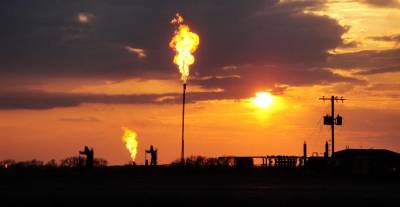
[(183, 125)]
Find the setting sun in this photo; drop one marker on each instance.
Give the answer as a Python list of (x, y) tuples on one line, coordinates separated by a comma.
[(263, 100)]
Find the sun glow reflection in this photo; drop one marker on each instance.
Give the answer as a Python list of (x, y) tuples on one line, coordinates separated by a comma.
[(263, 100)]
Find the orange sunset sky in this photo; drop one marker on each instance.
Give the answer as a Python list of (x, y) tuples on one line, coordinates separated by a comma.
[(73, 73)]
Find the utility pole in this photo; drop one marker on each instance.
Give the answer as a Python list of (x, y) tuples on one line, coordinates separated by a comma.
[(331, 120)]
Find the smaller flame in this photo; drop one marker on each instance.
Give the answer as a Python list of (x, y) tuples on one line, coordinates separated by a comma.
[(131, 143)]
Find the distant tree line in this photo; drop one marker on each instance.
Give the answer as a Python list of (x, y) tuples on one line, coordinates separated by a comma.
[(202, 162), (69, 162)]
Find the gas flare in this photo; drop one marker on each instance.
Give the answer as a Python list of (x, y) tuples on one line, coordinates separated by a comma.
[(184, 43), (131, 143)]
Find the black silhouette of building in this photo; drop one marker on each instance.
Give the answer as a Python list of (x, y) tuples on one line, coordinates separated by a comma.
[(367, 161)]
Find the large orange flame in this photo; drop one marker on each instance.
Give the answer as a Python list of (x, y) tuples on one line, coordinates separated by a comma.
[(131, 143), (184, 43)]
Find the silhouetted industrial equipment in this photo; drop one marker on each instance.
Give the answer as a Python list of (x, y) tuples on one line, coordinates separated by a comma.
[(244, 162), (330, 120), (327, 120), (339, 120), (279, 161), (326, 153), (153, 153), (317, 163), (268, 161), (89, 153)]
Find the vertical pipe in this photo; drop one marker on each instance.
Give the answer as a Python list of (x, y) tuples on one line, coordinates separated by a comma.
[(304, 153), (333, 124), (183, 125), (326, 154)]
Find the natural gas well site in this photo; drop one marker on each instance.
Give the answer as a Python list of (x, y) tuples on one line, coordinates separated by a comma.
[(200, 103)]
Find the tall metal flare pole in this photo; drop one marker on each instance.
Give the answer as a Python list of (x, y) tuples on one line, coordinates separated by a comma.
[(183, 125), (333, 124)]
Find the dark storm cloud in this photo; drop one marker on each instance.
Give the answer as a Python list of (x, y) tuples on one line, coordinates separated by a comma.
[(273, 77), (351, 44), (371, 61), (384, 87), (380, 70), (45, 100), (386, 38), (46, 37), (39, 100), (80, 120), (269, 43), (383, 3)]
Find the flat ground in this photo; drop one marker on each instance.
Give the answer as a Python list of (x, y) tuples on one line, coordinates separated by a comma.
[(119, 186)]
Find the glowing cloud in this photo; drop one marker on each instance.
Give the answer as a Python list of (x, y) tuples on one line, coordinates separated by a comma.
[(85, 17), (138, 51)]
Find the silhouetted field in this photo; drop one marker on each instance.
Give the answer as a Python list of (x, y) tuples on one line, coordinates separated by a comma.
[(117, 186)]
